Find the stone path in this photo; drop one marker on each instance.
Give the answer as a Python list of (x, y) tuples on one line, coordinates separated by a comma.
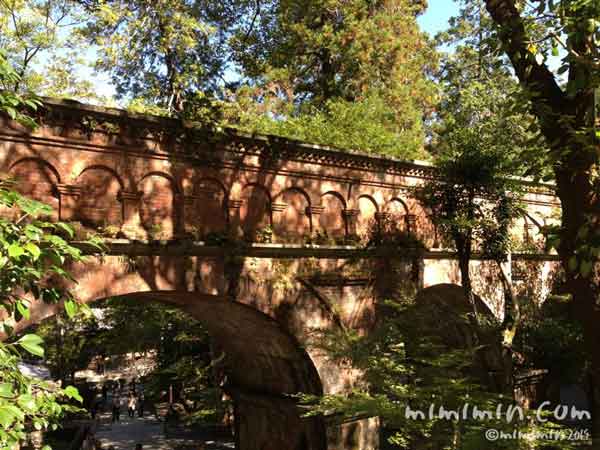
[(148, 431), (129, 432)]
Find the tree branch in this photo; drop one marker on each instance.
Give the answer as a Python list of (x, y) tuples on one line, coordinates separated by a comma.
[(534, 77)]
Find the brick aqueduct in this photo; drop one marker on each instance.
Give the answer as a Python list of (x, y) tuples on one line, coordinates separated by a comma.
[(178, 202)]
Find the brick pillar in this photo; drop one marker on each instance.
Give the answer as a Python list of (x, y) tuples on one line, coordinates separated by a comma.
[(313, 212), (380, 217), (67, 200), (276, 210), (178, 210), (529, 231), (411, 223), (235, 226), (130, 204), (187, 212), (350, 216)]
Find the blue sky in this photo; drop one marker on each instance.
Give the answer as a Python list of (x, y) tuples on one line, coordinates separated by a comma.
[(436, 17)]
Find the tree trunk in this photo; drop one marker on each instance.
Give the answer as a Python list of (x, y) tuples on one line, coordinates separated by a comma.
[(576, 196)]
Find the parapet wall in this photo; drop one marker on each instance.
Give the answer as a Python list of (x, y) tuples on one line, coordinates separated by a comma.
[(148, 177)]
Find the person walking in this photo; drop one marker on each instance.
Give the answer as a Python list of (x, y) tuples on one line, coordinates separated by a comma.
[(131, 404), (123, 402), (104, 392), (116, 407), (141, 404)]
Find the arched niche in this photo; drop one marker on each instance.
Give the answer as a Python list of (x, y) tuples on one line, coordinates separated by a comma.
[(98, 203), (37, 179), (527, 230), (158, 215), (331, 218), (255, 210), (207, 211), (367, 208), (291, 223), (397, 211)]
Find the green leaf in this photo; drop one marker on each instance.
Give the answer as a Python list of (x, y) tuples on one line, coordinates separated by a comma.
[(27, 402), (6, 390), (22, 309), (70, 308), (67, 228), (15, 250), (32, 343), (8, 414), (33, 250), (72, 392)]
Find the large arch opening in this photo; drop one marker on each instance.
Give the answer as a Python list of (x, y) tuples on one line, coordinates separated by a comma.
[(264, 368)]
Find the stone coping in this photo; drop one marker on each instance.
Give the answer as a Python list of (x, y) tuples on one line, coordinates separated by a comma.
[(187, 247)]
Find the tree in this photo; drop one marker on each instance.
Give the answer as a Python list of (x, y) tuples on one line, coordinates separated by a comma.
[(366, 125), (564, 104), (39, 41), (31, 258), (473, 203), (30, 29), (12, 103), (32, 255), (62, 77), (159, 51), (422, 354), (70, 344), (320, 64), (303, 70)]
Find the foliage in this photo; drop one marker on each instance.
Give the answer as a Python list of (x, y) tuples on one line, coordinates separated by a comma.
[(421, 354), (13, 103), (158, 51), (32, 257), (479, 139), (32, 260), (367, 124), (71, 344), (389, 231), (27, 403), (63, 77), (564, 102), (183, 352), (473, 200), (343, 74), (346, 74), (550, 339), (326, 49), (38, 41)]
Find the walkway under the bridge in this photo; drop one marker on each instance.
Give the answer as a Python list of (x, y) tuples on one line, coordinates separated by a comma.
[(149, 431)]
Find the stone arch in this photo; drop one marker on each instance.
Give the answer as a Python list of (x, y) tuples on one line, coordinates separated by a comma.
[(367, 211), (530, 228), (255, 212), (37, 179), (207, 207), (419, 222), (158, 204), (98, 202), (264, 364), (332, 218), (398, 211), (292, 219)]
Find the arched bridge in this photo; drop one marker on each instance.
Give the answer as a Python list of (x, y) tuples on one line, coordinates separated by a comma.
[(254, 236)]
